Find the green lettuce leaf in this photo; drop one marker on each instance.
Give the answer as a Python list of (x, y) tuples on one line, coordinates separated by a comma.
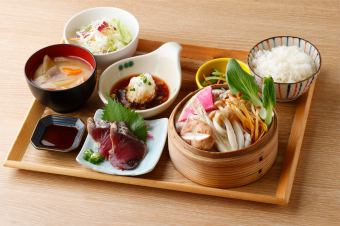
[(111, 45), (124, 32)]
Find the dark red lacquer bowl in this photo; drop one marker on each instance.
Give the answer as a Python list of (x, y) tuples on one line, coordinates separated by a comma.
[(66, 100)]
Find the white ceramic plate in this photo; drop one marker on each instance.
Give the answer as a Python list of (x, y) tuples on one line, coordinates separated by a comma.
[(155, 145)]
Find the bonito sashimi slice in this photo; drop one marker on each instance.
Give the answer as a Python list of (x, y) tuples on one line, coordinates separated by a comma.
[(99, 130), (127, 150)]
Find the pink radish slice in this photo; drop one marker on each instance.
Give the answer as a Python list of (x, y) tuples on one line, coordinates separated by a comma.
[(205, 97)]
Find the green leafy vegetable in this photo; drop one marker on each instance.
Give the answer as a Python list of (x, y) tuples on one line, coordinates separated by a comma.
[(241, 81), (215, 77), (216, 72), (87, 154), (111, 45), (93, 157), (96, 158), (268, 98), (114, 111), (123, 30)]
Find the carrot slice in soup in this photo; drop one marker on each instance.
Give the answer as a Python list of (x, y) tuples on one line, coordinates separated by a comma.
[(71, 71)]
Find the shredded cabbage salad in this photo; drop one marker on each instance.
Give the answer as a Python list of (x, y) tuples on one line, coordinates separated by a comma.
[(103, 36)]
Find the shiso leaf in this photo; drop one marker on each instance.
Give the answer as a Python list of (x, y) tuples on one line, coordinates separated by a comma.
[(114, 111)]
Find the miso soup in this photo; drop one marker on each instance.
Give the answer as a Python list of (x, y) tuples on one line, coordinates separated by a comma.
[(62, 72)]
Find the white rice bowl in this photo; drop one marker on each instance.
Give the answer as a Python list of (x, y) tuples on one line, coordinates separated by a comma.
[(286, 64)]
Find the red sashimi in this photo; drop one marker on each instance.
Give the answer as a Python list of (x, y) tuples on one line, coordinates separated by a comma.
[(117, 143), (127, 150), (99, 130)]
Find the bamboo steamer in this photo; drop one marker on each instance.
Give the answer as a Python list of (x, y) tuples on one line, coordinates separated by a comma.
[(222, 169)]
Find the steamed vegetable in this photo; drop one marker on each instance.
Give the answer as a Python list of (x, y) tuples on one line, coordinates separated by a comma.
[(268, 98), (235, 122), (237, 117), (241, 81)]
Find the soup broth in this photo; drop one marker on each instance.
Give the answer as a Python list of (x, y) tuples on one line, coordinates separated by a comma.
[(62, 72)]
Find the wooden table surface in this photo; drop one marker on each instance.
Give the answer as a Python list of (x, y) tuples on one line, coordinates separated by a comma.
[(29, 198)]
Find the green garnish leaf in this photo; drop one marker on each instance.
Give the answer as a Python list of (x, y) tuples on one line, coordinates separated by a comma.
[(241, 81), (114, 111), (268, 98), (96, 158), (87, 154), (132, 89)]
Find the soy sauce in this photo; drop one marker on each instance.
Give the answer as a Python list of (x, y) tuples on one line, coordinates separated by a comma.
[(58, 137)]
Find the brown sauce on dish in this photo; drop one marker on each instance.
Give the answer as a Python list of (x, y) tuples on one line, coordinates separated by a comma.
[(118, 92), (59, 137)]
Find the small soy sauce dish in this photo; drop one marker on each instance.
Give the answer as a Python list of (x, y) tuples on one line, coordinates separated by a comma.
[(58, 133)]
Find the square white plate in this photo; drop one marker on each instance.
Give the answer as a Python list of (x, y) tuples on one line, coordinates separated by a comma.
[(155, 145)]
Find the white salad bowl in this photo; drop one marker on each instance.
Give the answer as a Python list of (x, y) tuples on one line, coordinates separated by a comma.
[(164, 63), (155, 145), (89, 15)]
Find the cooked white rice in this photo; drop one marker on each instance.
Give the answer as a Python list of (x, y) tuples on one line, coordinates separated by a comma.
[(284, 64)]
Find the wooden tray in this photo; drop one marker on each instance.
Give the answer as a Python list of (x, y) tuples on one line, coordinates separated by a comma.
[(275, 187)]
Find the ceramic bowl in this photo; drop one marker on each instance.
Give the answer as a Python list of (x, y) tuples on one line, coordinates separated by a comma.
[(287, 91), (163, 63), (66, 100), (89, 15), (219, 64)]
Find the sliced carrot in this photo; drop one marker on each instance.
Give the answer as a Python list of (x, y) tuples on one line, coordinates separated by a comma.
[(71, 71)]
